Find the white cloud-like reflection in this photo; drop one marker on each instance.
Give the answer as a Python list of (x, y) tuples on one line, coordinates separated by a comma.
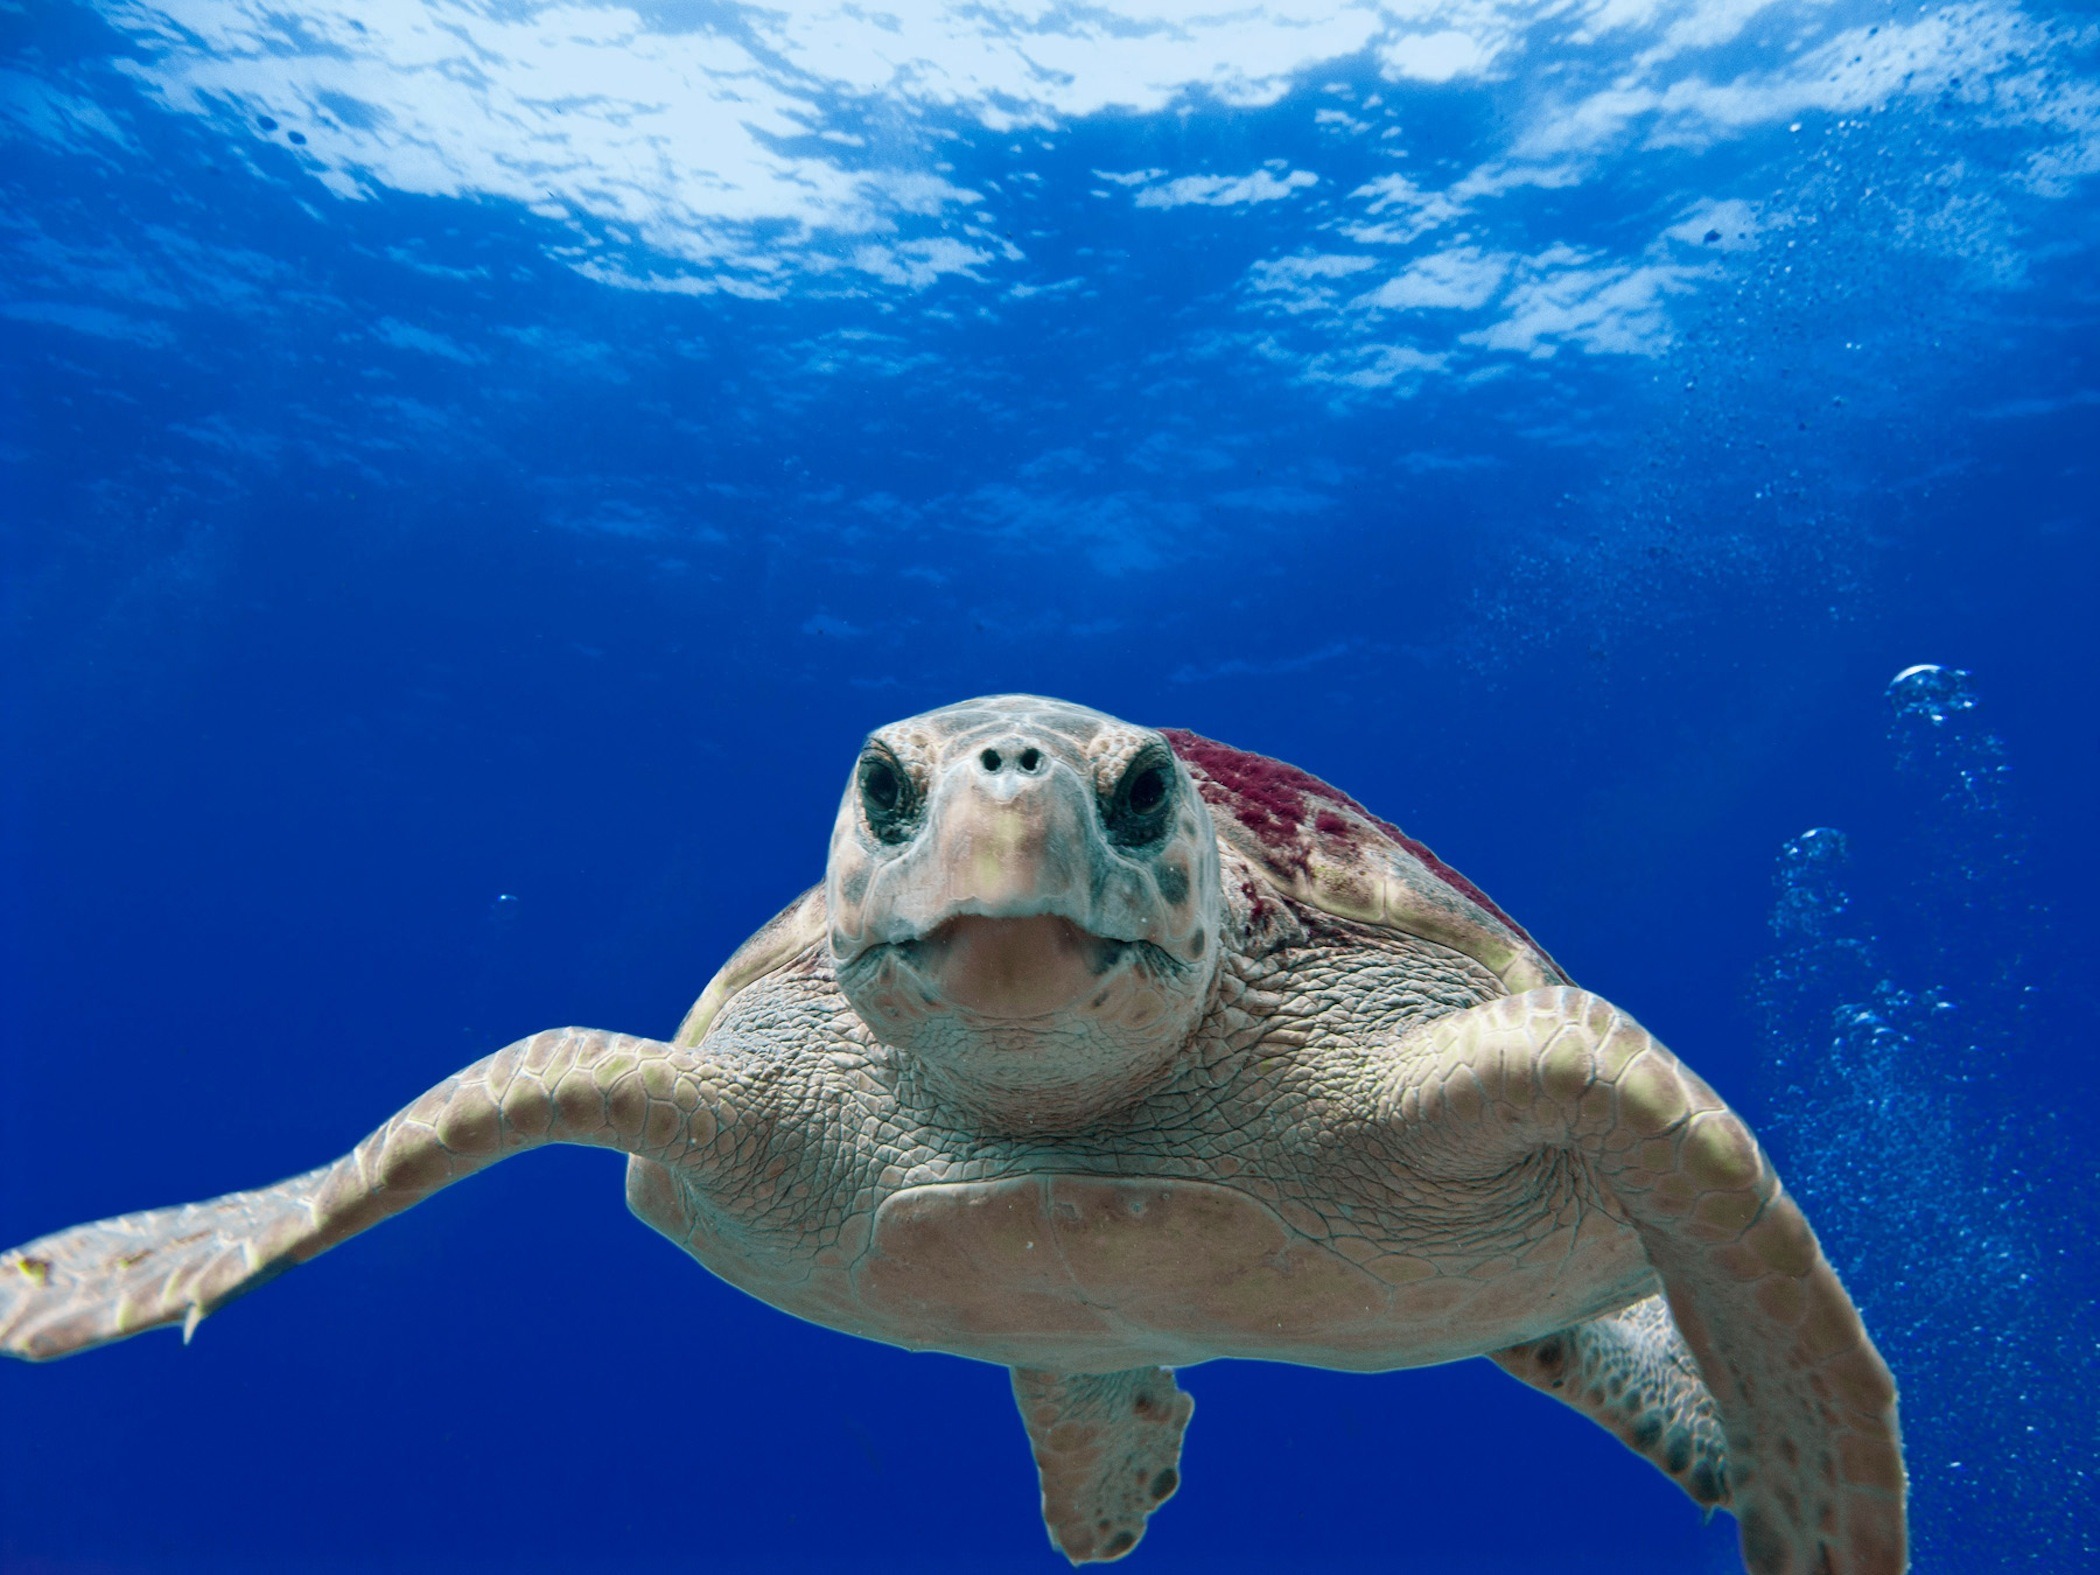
[(710, 146), (1225, 191)]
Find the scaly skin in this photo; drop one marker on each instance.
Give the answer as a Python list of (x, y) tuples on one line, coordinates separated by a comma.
[(84, 1287), (1364, 1152)]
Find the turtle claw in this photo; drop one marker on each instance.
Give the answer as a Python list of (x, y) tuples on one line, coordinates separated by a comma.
[(108, 1280), (95, 1283)]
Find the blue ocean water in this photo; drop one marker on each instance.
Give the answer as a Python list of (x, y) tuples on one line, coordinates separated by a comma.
[(474, 470)]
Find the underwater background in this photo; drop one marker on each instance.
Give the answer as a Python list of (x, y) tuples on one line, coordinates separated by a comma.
[(472, 470)]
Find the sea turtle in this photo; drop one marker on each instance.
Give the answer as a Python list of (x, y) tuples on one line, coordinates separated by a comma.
[(1104, 1051)]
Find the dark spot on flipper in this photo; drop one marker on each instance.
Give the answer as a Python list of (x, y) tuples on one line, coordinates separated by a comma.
[(1145, 1406), (1677, 1453), (1164, 1484), (1790, 1452), (1122, 1542), (1705, 1483), (1646, 1431)]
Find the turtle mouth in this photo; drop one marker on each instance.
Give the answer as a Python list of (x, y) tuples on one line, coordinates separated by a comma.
[(1010, 968)]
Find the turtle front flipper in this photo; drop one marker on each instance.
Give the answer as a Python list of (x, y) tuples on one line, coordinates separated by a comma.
[(1805, 1403), (1108, 1449), (79, 1288), (95, 1283), (1631, 1373)]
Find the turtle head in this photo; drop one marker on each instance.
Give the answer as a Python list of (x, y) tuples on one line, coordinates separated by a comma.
[(1023, 897)]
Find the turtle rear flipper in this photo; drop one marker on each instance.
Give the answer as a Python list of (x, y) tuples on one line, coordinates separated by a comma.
[(1631, 1373), (91, 1284), (1108, 1447)]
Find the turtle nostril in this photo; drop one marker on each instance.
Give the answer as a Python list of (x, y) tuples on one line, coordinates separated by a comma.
[(989, 760), (1030, 759)]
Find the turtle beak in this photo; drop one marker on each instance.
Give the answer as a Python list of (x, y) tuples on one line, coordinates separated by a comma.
[(1012, 968), (1011, 837), (1010, 859), (1009, 833)]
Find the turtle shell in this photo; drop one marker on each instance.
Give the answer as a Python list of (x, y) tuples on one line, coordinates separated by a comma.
[(791, 932), (1324, 849)]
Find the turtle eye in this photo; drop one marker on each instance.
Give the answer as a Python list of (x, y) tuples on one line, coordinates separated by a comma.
[(878, 779), (1147, 788), (1137, 810), (886, 795)]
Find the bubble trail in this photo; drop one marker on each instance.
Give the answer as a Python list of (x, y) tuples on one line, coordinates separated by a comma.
[(1905, 1116)]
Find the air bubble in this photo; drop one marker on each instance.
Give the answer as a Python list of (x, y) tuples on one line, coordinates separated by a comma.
[(1941, 742), (1900, 1065), (1931, 692)]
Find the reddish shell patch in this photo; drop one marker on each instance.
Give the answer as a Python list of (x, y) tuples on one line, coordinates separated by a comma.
[(1274, 801)]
